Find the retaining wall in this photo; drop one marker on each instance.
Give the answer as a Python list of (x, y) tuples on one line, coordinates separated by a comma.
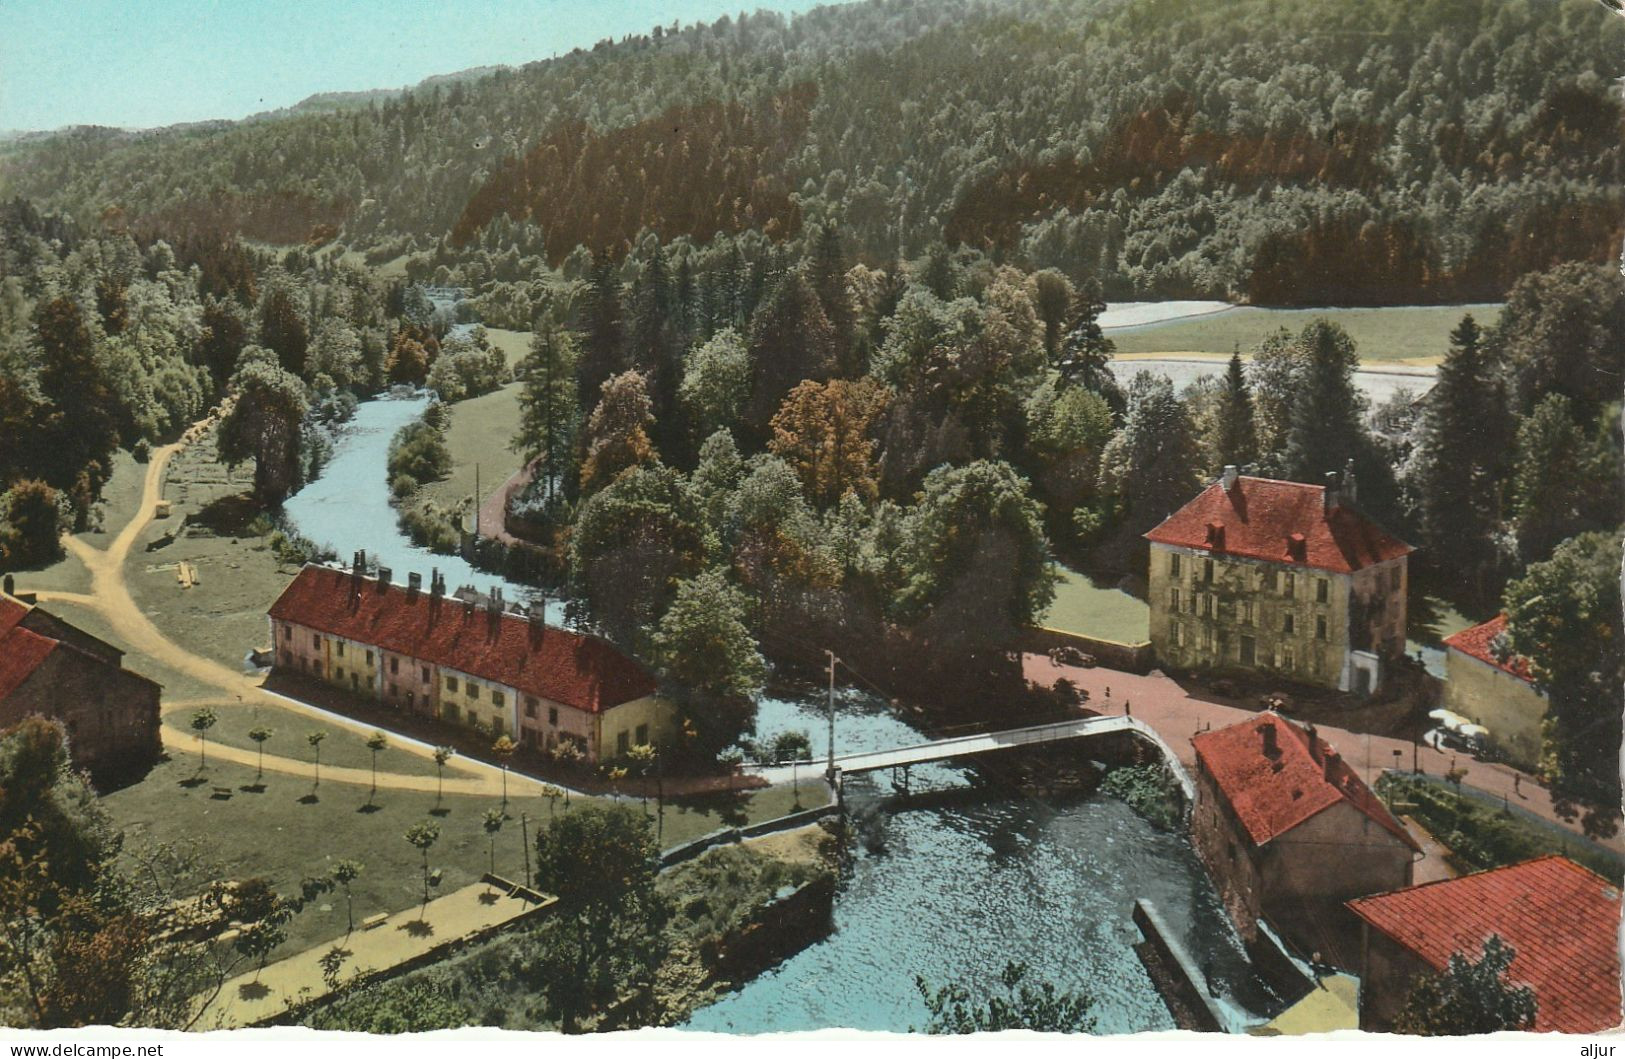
[(1128, 657)]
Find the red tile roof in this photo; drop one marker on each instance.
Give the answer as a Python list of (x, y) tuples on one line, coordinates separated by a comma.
[(581, 671), (1272, 793), (1282, 522), (11, 613), (1561, 920), (1475, 643), (21, 652)]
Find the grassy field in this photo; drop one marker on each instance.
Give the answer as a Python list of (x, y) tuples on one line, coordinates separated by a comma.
[(480, 430), (514, 344), (1402, 333), (1106, 613), (285, 834)]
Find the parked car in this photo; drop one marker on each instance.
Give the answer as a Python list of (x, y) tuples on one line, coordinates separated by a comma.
[(1071, 656)]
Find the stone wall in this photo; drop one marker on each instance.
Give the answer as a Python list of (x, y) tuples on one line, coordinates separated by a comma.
[(1510, 708)]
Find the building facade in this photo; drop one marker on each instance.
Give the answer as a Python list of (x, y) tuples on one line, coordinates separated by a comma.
[(57, 671), (1289, 833), (1278, 577), (1561, 921), (1495, 692), (471, 662)]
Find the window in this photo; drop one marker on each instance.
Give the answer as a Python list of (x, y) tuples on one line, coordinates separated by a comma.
[(450, 714), (1394, 577), (1291, 583), (496, 727), (1287, 661), (1173, 564), (315, 639), (425, 674), (340, 673), (530, 705), (473, 691), (1207, 605), (498, 698), (1323, 590), (1288, 624), (553, 716), (1246, 612), (287, 632), (1249, 651), (1179, 634), (369, 658), (1173, 600), (1207, 638), (1207, 569), (369, 681), (642, 737), (394, 665), (1320, 627), (623, 743), (1272, 579), (339, 647), (451, 683)]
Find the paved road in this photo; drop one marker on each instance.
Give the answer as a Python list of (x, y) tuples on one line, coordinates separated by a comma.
[(1177, 716)]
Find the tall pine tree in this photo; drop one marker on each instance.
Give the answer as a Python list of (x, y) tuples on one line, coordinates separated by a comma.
[(548, 411), (1237, 440), (1325, 432), (1463, 433), (602, 355)]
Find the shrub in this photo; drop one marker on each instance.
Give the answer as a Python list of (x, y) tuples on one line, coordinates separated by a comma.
[(141, 450), (432, 526), (1148, 790), (31, 524), (402, 486), (418, 451)]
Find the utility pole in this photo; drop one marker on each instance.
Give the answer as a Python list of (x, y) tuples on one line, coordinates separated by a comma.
[(829, 768), (476, 500), (524, 837)]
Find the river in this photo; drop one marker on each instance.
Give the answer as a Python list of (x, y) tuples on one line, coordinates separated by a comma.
[(953, 885), (347, 509)]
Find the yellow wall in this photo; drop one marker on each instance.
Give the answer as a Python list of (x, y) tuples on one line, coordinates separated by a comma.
[(657, 713), (1510, 708)]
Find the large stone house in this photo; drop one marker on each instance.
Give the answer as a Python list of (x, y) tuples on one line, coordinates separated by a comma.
[(1290, 832), (1561, 921), (1496, 692), (51, 668), (1278, 577), (467, 662)]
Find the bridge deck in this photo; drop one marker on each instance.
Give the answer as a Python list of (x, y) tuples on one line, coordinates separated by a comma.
[(983, 743)]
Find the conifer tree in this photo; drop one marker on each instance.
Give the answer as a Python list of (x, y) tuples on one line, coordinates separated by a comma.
[(548, 412), (601, 348), (1325, 432), (1237, 440), (826, 270)]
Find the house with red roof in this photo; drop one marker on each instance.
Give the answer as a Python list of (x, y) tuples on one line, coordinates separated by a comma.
[(1278, 577), (1495, 689), (55, 670), (478, 663), (1290, 832), (1561, 921)]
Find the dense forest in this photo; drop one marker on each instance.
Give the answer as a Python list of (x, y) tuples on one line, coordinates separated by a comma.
[(816, 358), (1285, 152)]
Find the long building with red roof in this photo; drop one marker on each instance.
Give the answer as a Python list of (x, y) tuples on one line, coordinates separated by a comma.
[(55, 670), (1290, 831), (1495, 689), (1561, 921), (476, 663), (1278, 577)]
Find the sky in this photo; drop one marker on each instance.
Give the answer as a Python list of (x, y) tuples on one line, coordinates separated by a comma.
[(158, 62)]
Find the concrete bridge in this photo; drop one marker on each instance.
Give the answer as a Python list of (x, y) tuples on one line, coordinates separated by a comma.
[(986, 743)]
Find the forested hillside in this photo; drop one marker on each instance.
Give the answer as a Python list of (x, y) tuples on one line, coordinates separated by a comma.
[(1286, 151)]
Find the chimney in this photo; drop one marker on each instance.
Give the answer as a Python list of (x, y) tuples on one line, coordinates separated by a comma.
[(537, 616), (1215, 536), (414, 582), (383, 579), (1267, 730), (1331, 765), (437, 586), (1332, 499), (1350, 486), (1314, 742), (1230, 478), (358, 569)]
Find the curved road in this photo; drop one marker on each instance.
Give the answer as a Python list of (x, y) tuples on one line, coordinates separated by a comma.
[(110, 597)]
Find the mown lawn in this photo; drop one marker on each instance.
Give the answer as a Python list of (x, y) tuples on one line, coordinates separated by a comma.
[(478, 434), (292, 830), (1081, 606), (1401, 333)]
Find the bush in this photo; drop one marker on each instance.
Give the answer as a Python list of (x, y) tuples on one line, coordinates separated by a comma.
[(141, 451), (402, 486), (432, 526), (418, 451), (31, 524), (1149, 791)]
